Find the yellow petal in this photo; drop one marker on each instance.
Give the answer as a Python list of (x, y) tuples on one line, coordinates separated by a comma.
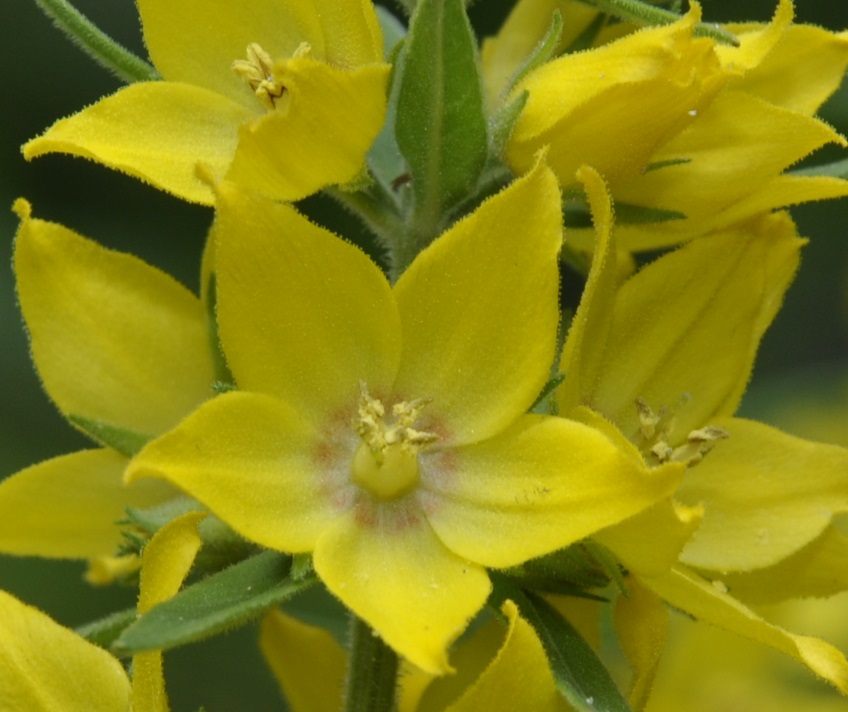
[(757, 509), (519, 677), (685, 329), (707, 603), (67, 507), (307, 662), (756, 42), (641, 621), (156, 131), (320, 134), (303, 315), (817, 570), (806, 68), (734, 149), (528, 21), (588, 331), (395, 574), (113, 338), (541, 485), (658, 78), (352, 33), (254, 462), (166, 561), (650, 542), (45, 667), (479, 311)]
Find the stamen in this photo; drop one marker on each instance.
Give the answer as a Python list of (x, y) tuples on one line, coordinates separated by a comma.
[(258, 71)]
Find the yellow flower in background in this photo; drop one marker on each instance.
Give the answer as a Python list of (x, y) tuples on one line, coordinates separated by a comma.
[(120, 348), (499, 669), (384, 428), (45, 667), (699, 132), (284, 97), (664, 360)]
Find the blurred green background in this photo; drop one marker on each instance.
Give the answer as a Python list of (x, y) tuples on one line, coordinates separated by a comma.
[(45, 77)]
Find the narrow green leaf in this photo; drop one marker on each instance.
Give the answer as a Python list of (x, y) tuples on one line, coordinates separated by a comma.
[(547, 389), (837, 169), (541, 53), (657, 165), (628, 214), (643, 14), (96, 43), (219, 602), (127, 442), (223, 375), (580, 676), (503, 122), (440, 124), (104, 631)]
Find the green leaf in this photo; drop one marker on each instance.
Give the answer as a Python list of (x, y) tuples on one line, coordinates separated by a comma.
[(440, 123), (219, 602), (627, 214), (580, 676), (104, 631), (837, 169), (127, 442)]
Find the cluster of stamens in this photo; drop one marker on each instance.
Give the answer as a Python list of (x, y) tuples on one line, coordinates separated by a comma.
[(258, 71), (386, 463), (656, 426)]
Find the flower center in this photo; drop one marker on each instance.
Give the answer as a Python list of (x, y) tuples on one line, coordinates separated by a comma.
[(655, 428), (258, 72), (386, 462)]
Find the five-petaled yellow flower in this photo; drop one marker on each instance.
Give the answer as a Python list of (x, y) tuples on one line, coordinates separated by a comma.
[(385, 428), (283, 96)]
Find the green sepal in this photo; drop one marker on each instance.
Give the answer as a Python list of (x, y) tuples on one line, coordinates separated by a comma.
[(541, 53), (580, 676), (646, 15), (837, 169), (440, 123), (657, 165), (220, 602), (577, 214), (546, 391), (222, 546), (127, 442), (503, 121), (223, 375), (628, 214), (104, 631), (571, 571)]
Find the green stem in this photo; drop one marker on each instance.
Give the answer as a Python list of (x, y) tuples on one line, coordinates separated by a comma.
[(372, 674), (97, 44), (376, 208), (641, 13)]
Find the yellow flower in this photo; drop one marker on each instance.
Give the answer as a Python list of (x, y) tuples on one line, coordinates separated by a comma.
[(119, 346), (664, 360), (310, 668), (284, 96), (385, 428), (676, 123), (45, 667)]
